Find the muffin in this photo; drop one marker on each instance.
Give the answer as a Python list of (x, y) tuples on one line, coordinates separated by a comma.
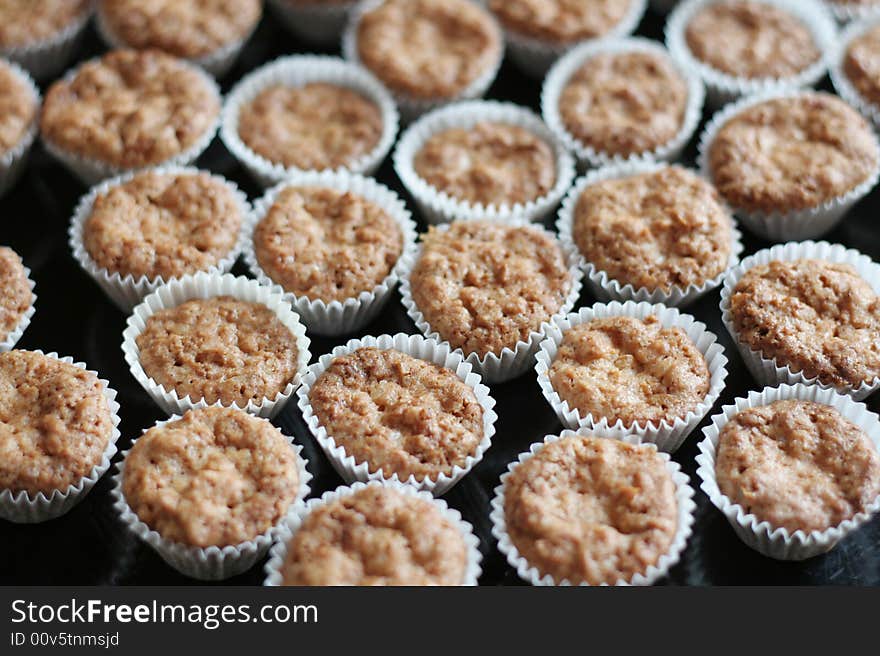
[(17, 297), (856, 73), (19, 106)]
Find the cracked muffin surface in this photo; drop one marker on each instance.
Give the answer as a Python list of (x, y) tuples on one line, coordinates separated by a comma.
[(16, 291), (18, 108), (561, 21)]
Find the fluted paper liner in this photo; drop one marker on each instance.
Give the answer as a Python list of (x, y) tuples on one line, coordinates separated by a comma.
[(315, 21), (845, 12), (14, 160), (47, 57)]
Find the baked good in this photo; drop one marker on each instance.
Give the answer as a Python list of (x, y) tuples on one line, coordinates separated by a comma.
[(398, 413), (816, 317), (219, 349), (214, 477), (18, 108), (798, 465), (163, 225), (861, 64), (490, 163), (483, 285), (658, 229), (326, 244), (591, 510), (561, 21), (27, 22), (375, 536), (15, 291), (55, 423)]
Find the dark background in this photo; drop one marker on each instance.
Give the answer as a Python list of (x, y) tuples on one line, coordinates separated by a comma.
[(89, 546)]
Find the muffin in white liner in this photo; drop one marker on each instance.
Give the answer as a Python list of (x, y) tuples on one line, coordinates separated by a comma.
[(845, 12), (428, 349), (684, 494), (437, 206), (778, 542), (315, 21), (297, 71), (535, 56), (204, 286), (11, 338), (127, 291), (411, 108), (768, 371), (667, 435), (21, 508), (842, 85), (352, 314), (279, 550), (14, 160), (512, 362), (599, 282), (207, 563), (563, 70), (722, 87)]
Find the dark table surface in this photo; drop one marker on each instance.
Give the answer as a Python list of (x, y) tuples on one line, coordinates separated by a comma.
[(89, 546)]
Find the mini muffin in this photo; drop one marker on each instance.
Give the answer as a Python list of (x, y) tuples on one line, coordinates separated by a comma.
[(591, 510), (813, 316), (215, 477), (219, 349), (630, 370), (561, 22), (18, 109), (375, 536), (861, 65), (798, 465), (16, 297), (398, 413), (56, 425)]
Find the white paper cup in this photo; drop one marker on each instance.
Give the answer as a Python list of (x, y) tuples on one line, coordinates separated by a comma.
[(339, 317), (204, 286), (598, 281), (127, 291), (14, 160), (563, 70), (844, 12), (683, 497), (437, 206), (770, 371), (21, 508), (11, 338), (778, 542), (46, 58), (207, 563), (321, 23), (278, 552), (838, 76)]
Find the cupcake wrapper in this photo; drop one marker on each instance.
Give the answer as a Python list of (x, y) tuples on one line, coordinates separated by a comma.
[(684, 495), (769, 371), (841, 82), (512, 362), (316, 22), (606, 288), (588, 157), (668, 435), (348, 316), (760, 535), (127, 291), (14, 160), (411, 108), (21, 508), (419, 347), (295, 520), (436, 206), (45, 59), (844, 13), (209, 285), (207, 563), (296, 71), (721, 87), (15, 334), (91, 171)]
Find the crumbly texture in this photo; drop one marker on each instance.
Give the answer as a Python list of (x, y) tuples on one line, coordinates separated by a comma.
[(818, 318), (624, 103), (561, 21), (315, 126), (750, 39), (25, 22), (163, 225), (15, 292), (656, 230), (485, 285), (375, 536), (18, 108), (428, 48), (326, 244), (55, 423), (798, 465), (215, 477), (130, 108), (861, 65), (183, 28), (219, 349), (628, 369), (489, 163), (591, 510), (792, 153), (398, 413)]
